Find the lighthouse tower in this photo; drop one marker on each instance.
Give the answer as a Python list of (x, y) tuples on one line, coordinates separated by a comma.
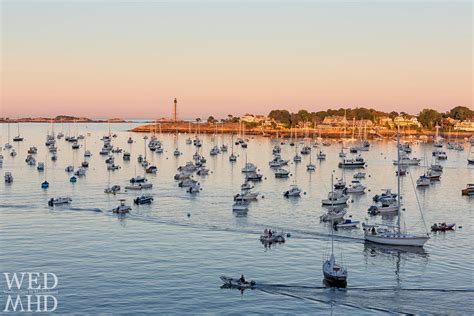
[(175, 118)]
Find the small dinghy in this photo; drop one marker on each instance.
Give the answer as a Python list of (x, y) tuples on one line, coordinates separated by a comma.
[(122, 208), (144, 199), (237, 283), (442, 227), (269, 236), (113, 189), (59, 201)]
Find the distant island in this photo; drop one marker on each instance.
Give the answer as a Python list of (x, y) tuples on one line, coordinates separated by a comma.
[(330, 123), (59, 119)]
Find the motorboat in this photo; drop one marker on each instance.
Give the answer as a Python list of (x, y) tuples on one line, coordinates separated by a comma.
[(75, 145), (347, 223), (139, 186), (232, 157), (356, 187), (33, 150), (202, 171), (113, 189), (69, 169), (336, 196), (40, 166), (253, 176), (246, 186), (112, 167), (126, 156), (282, 173), (151, 169), (352, 163), (194, 188), (73, 179), (469, 190), (277, 162), (138, 179), (45, 184), (85, 164), (359, 175), (59, 201), (224, 148), (240, 206), (387, 206), (144, 199), (442, 227), (407, 161), (436, 167), (130, 140), (186, 183), (30, 160), (247, 195), (8, 177), (176, 152), (403, 170), (333, 214), (310, 167), (386, 194), (294, 191), (81, 171), (440, 154), (122, 208), (297, 158), (306, 150), (13, 152), (433, 175), (237, 283)]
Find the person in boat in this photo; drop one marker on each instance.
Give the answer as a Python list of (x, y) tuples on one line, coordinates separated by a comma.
[(242, 279), (265, 232), (270, 233), (373, 231)]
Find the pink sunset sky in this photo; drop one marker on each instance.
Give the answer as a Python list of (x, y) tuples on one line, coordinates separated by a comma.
[(130, 60)]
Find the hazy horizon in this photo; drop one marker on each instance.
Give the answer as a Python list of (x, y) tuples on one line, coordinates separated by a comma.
[(130, 60)]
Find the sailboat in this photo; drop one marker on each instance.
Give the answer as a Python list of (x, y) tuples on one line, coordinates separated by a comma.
[(394, 235), (335, 274), (232, 157), (176, 152), (470, 156), (310, 166), (18, 138), (188, 140), (8, 145), (45, 183)]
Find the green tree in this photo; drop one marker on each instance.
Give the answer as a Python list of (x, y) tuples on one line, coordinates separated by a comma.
[(429, 118), (211, 119), (461, 113)]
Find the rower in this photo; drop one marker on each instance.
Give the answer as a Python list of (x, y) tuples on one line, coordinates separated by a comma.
[(242, 279)]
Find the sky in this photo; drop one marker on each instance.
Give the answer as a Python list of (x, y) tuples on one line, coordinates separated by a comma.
[(130, 59)]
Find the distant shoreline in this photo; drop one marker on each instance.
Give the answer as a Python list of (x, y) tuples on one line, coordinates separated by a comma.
[(332, 132), (69, 120)]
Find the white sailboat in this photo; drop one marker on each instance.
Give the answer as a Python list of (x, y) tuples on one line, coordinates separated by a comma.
[(394, 235)]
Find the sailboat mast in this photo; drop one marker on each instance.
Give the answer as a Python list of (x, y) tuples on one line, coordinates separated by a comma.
[(398, 178)]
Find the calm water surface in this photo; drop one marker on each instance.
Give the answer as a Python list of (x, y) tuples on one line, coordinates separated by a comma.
[(160, 260)]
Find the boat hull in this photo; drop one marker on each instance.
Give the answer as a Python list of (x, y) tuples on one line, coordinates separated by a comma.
[(414, 241)]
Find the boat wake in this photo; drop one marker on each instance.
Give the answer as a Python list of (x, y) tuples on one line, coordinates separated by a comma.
[(380, 299)]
